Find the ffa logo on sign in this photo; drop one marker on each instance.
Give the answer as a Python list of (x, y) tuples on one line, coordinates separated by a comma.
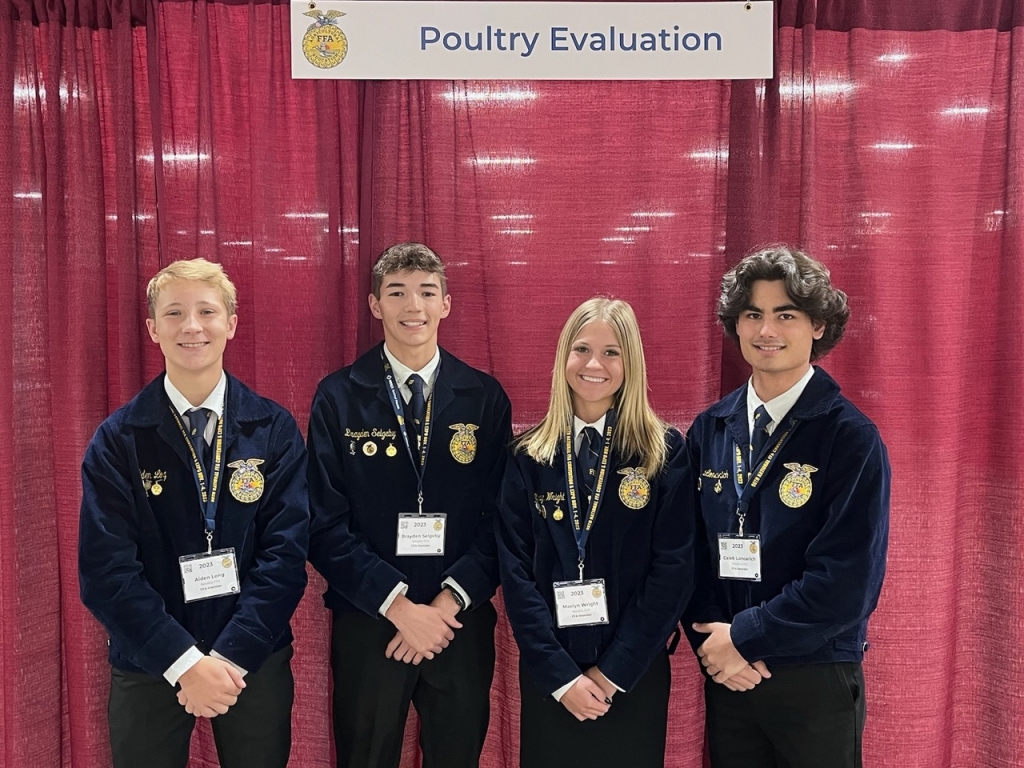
[(463, 444), (634, 490), (246, 483), (324, 45), (795, 488)]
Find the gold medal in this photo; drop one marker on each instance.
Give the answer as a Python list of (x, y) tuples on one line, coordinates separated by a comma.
[(391, 450), (369, 448), (558, 514), (246, 483), (634, 490), (463, 443), (796, 487), (156, 489)]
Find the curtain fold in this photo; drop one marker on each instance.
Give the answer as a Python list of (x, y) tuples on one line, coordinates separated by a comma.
[(889, 144)]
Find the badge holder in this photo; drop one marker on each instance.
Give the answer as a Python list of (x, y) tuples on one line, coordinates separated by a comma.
[(421, 535), (739, 557), (580, 603), (209, 574)]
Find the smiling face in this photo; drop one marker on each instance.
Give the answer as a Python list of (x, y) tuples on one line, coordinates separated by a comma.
[(192, 327), (775, 338), (411, 306), (594, 370)]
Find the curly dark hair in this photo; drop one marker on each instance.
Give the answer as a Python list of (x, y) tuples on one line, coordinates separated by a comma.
[(407, 256), (807, 282)]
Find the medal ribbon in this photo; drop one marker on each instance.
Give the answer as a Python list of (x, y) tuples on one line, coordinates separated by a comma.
[(581, 530), (745, 491), (207, 494), (419, 463)]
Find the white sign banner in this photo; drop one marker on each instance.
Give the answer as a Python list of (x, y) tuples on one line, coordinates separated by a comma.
[(370, 40)]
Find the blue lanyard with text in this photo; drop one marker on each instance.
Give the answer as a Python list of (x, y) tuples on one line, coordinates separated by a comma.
[(745, 493), (207, 495), (396, 403), (581, 530)]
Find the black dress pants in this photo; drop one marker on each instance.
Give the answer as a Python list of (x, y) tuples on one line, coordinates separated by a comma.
[(150, 729), (451, 693), (803, 716)]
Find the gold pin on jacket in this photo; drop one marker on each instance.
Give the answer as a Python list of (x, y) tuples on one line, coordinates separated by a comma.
[(463, 443), (634, 490)]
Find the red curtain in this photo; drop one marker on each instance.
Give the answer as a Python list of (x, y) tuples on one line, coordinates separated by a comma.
[(889, 144)]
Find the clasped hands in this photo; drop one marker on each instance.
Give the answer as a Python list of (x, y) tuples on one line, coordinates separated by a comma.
[(210, 687), (423, 630), (724, 663)]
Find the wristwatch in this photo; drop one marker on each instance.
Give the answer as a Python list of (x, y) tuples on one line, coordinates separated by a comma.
[(456, 595)]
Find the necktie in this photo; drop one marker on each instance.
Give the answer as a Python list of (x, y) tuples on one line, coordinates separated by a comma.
[(589, 458), (759, 436), (417, 404), (197, 419)]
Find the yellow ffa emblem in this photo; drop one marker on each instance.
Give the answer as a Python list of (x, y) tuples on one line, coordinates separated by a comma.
[(463, 444), (438, 525), (753, 547), (324, 45), (246, 483), (795, 488), (596, 591), (634, 490), (391, 450), (558, 514), (226, 562), (369, 448)]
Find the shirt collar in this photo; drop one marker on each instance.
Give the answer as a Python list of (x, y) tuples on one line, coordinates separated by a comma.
[(215, 401), (779, 406), (578, 425), (403, 372)]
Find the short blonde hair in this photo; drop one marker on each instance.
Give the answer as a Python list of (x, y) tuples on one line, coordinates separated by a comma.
[(639, 434), (193, 269)]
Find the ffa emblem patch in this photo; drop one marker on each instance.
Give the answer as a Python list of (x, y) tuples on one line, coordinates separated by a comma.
[(795, 488), (246, 483), (324, 45), (463, 444), (634, 490)]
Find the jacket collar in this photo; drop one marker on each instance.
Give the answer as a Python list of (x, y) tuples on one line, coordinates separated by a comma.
[(817, 399), (453, 376), (150, 407)]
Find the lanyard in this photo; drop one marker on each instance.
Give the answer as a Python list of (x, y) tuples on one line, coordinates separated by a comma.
[(207, 494), (745, 490), (418, 463), (580, 530)]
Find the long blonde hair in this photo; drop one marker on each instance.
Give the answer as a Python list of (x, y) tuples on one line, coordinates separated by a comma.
[(639, 433)]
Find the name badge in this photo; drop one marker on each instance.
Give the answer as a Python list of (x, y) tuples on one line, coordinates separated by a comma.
[(209, 575), (421, 534), (739, 557), (580, 603)]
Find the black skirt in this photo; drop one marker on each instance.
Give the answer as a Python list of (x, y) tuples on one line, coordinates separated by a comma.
[(632, 733)]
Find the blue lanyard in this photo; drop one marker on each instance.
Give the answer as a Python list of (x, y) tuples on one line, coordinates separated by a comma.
[(581, 530), (207, 495), (745, 490), (395, 397)]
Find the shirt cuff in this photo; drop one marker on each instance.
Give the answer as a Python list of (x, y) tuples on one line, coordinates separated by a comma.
[(557, 695), (185, 662), (242, 671), (400, 589), (450, 582)]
